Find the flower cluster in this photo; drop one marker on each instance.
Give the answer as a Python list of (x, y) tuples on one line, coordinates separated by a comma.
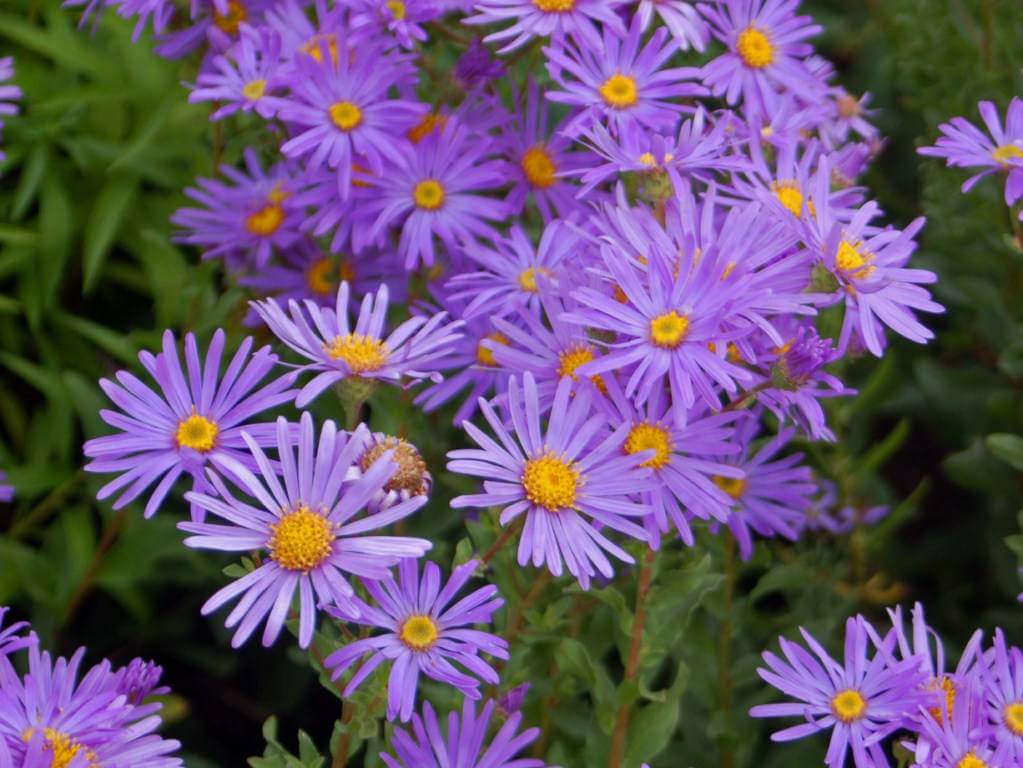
[(898, 686)]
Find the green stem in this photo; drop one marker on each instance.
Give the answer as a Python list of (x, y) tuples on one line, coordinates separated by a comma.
[(725, 648)]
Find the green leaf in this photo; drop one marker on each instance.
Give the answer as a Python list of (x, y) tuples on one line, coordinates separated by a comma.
[(1008, 448), (104, 220)]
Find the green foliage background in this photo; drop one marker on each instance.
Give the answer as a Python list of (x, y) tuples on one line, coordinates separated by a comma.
[(88, 276)]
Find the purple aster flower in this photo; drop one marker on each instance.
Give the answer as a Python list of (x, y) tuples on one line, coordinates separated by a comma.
[(253, 214), (959, 739), (847, 115), (514, 271), (197, 415), (1003, 684), (962, 145), (766, 48), (342, 105), (567, 479), (477, 66), (861, 701), (423, 634), (6, 489), (160, 12), (463, 743), (10, 638), (432, 188), (870, 269), (401, 19), (309, 528), (60, 720), (511, 701), (619, 82), (338, 350), (547, 18), (139, 680), (214, 23), (244, 77), (680, 17), (8, 93), (410, 479)]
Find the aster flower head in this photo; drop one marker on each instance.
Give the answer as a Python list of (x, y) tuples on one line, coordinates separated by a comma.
[(245, 77), (52, 716), (566, 479), (621, 83), (9, 94), (434, 188), (556, 19), (767, 46), (252, 214), (424, 634), (680, 17), (463, 744), (196, 415), (1003, 686), (411, 478), (11, 637), (337, 349), (6, 489), (846, 116), (213, 24), (310, 528), (477, 66), (400, 19), (340, 103), (861, 700), (959, 737), (963, 145)]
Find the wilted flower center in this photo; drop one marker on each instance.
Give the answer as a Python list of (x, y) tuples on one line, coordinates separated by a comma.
[(425, 127), (733, 486), (1007, 152), (301, 539), (197, 432), (230, 21), (360, 353), (669, 330), (853, 260), (789, 195), (345, 115), (539, 167), (419, 633), (266, 220), (619, 91), (527, 278), (650, 437), (320, 277), (848, 705), (485, 356), (1014, 717), (970, 760), (429, 194), (411, 473), (551, 482), (61, 747), (254, 89), (754, 48), (396, 9), (554, 6), (848, 106)]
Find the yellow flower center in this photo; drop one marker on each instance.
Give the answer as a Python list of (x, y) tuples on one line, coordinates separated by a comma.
[(429, 194), (254, 90), (312, 47), (539, 167), (266, 220), (943, 684), (733, 486), (970, 760), (485, 356), (1007, 152), (396, 9), (345, 115), (754, 48), (425, 127), (572, 358), (360, 353), (320, 277), (849, 705), (301, 539), (198, 433), (650, 437), (61, 747), (669, 330), (411, 473), (419, 633), (230, 21), (789, 195), (1014, 717), (619, 91), (648, 159), (551, 482), (853, 260), (554, 6), (527, 278)]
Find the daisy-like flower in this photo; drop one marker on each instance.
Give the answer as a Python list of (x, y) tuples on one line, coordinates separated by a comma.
[(861, 701), (566, 479), (212, 23), (50, 718), (9, 94), (621, 83), (847, 115), (514, 271), (680, 17), (410, 479), (463, 744), (336, 349), (556, 19), (11, 639), (433, 189), (6, 489), (765, 56), (423, 634), (196, 415), (1003, 684), (962, 145), (402, 19), (960, 737), (309, 527), (253, 214), (342, 107), (245, 77), (870, 269)]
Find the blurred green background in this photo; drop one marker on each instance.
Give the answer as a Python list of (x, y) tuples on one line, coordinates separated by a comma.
[(88, 276)]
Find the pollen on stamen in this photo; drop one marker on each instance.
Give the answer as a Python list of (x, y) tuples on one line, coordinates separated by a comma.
[(551, 482), (301, 539), (362, 354), (538, 167), (61, 748), (620, 91), (1013, 716), (554, 6), (650, 437), (197, 432), (419, 633), (755, 48)]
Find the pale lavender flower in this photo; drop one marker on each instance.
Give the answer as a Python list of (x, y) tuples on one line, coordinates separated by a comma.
[(245, 77), (555, 19)]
